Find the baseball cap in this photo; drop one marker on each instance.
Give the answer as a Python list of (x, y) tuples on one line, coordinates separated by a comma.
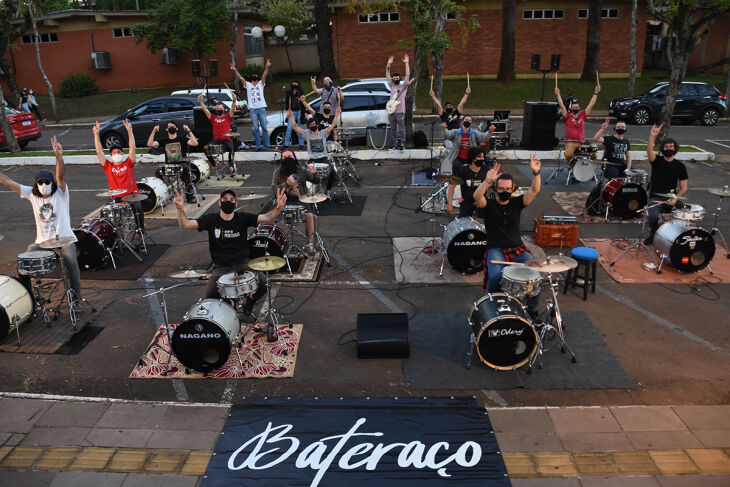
[(47, 175)]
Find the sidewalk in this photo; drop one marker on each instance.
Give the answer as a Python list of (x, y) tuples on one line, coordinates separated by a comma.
[(70, 442)]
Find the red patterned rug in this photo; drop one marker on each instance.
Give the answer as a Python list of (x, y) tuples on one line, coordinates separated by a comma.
[(574, 204), (260, 358)]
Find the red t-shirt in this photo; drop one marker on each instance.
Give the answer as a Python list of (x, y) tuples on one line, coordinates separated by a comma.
[(221, 125), (463, 145), (575, 127), (121, 176)]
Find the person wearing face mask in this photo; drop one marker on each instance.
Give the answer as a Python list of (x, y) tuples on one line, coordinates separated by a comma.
[(448, 114), (397, 119), (502, 224), (474, 173), (228, 237), (324, 119), (221, 119), (616, 149), (575, 120), (33, 104), (666, 172), (120, 170), (291, 177), (172, 143), (49, 197), (462, 139), (329, 94), (294, 98), (256, 104)]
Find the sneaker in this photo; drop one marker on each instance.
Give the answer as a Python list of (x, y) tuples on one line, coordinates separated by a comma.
[(402, 147), (649, 240), (309, 248)]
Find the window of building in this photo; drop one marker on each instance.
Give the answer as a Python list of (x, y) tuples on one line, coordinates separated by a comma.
[(606, 13), (254, 47), (123, 32), (44, 37), (545, 13), (378, 17), (451, 16)]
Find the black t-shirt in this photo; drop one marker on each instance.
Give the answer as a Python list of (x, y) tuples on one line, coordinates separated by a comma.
[(325, 121), (227, 240), (502, 223), (665, 175), (615, 149), (174, 148), (472, 179), (452, 119)]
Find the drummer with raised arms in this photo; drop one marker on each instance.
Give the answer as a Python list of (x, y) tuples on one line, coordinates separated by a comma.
[(502, 224), (49, 197), (228, 237)]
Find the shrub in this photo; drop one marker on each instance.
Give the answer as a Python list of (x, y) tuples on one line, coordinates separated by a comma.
[(77, 85)]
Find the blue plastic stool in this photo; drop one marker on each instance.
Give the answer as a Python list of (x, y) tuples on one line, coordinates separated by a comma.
[(587, 258)]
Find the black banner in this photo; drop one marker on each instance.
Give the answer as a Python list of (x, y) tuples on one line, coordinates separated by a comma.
[(357, 442)]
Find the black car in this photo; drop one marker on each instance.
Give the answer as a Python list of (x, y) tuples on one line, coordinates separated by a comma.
[(695, 101)]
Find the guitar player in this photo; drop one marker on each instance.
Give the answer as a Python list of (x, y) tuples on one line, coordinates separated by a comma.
[(397, 119)]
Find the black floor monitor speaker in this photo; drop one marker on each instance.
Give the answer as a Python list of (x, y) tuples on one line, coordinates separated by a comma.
[(382, 335), (202, 127), (538, 127)]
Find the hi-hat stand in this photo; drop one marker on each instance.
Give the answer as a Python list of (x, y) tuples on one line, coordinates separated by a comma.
[(639, 243), (164, 331), (715, 230)]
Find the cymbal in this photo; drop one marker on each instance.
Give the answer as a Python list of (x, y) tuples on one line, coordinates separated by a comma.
[(520, 191), (553, 263), (722, 192), (447, 178), (111, 193), (252, 196), (56, 242), (232, 134), (313, 198), (134, 197), (266, 263), (185, 159), (670, 196), (189, 274)]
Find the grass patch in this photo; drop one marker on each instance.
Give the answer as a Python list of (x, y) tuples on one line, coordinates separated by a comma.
[(684, 148)]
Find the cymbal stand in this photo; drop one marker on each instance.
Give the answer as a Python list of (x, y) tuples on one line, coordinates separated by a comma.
[(562, 165), (164, 330), (340, 185), (73, 302), (715, 229), (441, 193), (291, 243), (120, 243), (319, 242), (191, 184), (639, 243), (349, 167), (432, 244), (553, 326), (272, 323)]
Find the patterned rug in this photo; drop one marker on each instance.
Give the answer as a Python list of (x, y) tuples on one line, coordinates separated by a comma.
[(192, 210), (224, 182), (260, 358), (574, 204), (303, 269)]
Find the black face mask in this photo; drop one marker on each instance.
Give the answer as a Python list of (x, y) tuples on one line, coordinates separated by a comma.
[(312, 127), (479, 162), (326, 111), (219, 112), (295, 87), (467, 124), (504, 195), (448, 109), (171, 130), (228, 207), (668, 152), (620, 131), (574, 111), (254, 77), (290, 165)]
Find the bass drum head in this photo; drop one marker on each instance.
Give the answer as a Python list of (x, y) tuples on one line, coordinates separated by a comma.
[(200, 172), (465, 245), (267, 240), (690, 249), (92, 244), (155, 190), (626, 199), (15, 300)]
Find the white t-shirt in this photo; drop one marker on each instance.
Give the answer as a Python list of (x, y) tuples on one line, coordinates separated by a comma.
[(255, 94), (51, 214)]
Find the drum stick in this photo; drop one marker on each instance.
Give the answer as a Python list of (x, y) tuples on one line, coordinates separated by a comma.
[(501, 262), (431, 82), (467, 80), (556, 79), (311, 92)]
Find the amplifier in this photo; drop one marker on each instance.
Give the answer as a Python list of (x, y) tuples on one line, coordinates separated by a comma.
[(556, 231), (499, 142), (499, 127), (558, 219)]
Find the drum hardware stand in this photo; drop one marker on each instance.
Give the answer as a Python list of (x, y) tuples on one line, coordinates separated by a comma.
[(432, 244), (349, 167), (715, 229), (440, 193), (319, 242), (639, 243), (74, 303), (561, 166), (340, 182), (166, 330), (120, 242), (271, 328), (553, 326)]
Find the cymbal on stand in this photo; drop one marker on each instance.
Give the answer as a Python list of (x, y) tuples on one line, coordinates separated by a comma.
[(671, 196), (447, 178), (266, 263), (111, 193), (189, 274), (553, 264), (721, 192), (56, 242), (134, 197)]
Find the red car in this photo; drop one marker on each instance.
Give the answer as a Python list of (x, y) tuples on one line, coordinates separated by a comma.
[(24, 126)]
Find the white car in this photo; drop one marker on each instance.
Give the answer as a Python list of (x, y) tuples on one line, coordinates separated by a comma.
[(367, 84), (223, 95)]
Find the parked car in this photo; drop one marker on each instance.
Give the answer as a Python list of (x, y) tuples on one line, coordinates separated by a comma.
[(367, 84), (223, 95), (694, 101), (24, 125), (144, 117), (360, 110)]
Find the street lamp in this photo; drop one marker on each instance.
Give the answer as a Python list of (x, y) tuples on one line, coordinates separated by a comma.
[(256, 32), (280, 31)]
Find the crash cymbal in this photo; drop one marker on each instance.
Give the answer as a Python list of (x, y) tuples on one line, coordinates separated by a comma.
[(721, 192), (232, 134), (313, 198), (134, 197), (252, 196), (111, 193), (266, 263), (189, 274), (670, 196), (56, 242), (520, 191), (185, 159), (553, 263), (447, 178)]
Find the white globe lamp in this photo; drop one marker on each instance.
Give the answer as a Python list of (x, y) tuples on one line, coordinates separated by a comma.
[(256, 32), (279, 30)]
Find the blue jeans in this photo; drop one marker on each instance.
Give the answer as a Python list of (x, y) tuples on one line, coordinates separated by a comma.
[(495, 274), (258, 120), (289, 128)]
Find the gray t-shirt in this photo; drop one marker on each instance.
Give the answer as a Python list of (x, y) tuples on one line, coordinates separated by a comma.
[(316, 144)]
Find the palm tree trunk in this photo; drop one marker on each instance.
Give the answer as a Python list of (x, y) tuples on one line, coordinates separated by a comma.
[(506, 71), (593, 41), (40, 64), (6, 128), (632, 51)]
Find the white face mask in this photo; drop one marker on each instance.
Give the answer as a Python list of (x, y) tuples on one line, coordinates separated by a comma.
[(118, 157), (45, 189)]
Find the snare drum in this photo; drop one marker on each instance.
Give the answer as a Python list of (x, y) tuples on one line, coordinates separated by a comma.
[(157, 193), (689, 213), (292, 214), (200, 172), (118, 214), (625, 199), (687, 247), (37, 262), (234, 285), (521, 281), (16, 304), (465, 242), (267, 240), (638, 176), (586, 149), (94, 239)]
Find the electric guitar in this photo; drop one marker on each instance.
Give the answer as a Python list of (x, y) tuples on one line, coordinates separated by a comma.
[(393, 102)]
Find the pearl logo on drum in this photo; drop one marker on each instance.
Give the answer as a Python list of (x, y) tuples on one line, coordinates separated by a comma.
[(198, 327)]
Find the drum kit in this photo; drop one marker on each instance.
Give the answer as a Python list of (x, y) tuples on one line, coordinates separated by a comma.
[(503, 333), (581, 166), (215, 152), (183, 175), (211, 329)]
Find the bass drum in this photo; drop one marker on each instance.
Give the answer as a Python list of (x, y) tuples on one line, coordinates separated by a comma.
[(156, 191), (505, 337), (94, 238), (267, 240), (16, 304), (465, 242), (625, 199), (688, 248), (583, 169), (203, 341), (200, 172)]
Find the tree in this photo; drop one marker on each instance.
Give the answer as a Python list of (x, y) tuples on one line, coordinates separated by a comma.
[(325, 45), (36, 40), (7, 130), (506, 71), (234, 34), (9, 11), (632, 50), (593, 41), (295, 18), (689, 22)]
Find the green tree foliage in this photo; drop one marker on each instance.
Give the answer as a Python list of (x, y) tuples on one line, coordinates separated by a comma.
[(76, 85), (191, 26), (295, 18)]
